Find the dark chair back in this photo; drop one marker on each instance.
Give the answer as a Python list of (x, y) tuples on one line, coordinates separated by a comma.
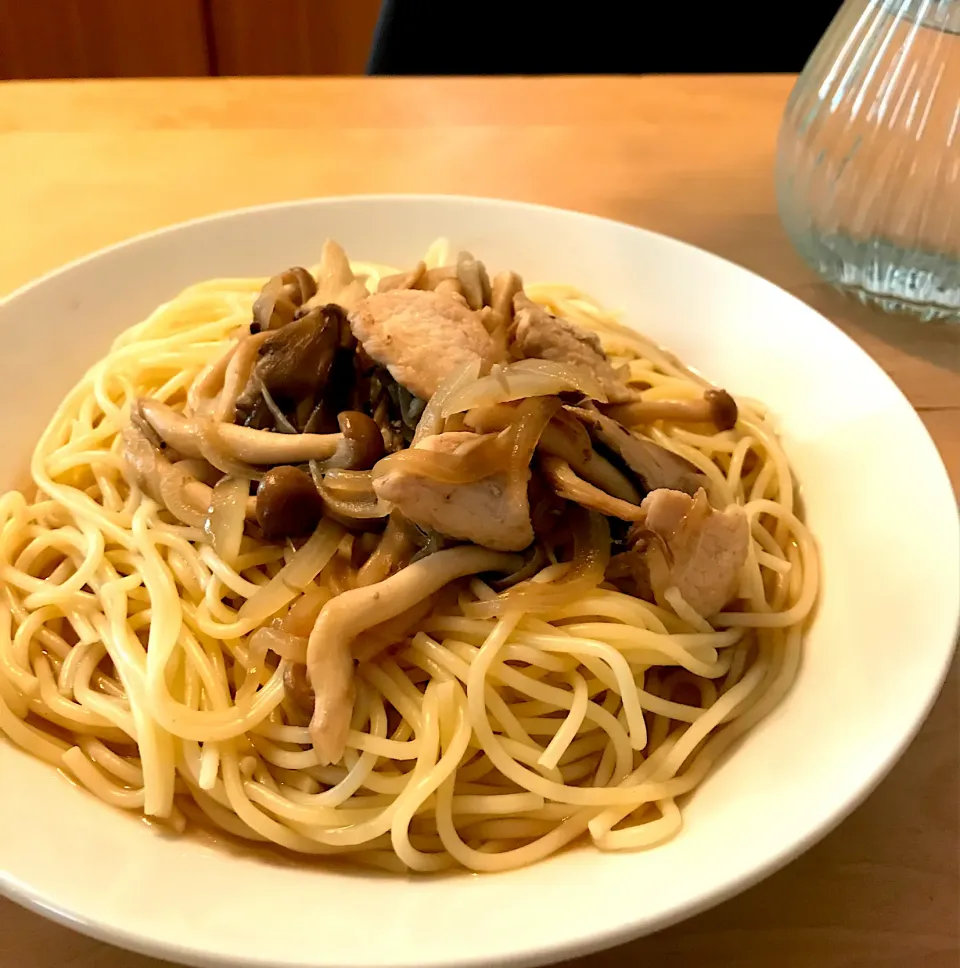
[(597, 36)]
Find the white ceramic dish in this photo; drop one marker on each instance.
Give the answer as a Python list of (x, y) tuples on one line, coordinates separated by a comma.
[(873, 663)]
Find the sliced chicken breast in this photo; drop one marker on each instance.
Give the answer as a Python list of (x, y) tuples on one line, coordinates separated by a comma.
[(695, 548), (541, 335), (493, 512), (421, 337)]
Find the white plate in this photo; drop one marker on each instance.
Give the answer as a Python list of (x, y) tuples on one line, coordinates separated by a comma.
[(878, 500)]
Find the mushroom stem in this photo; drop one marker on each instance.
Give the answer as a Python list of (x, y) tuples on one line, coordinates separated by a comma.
[(560, 475), (654, 465), (159, 477), (205, 388), (404, 280), (336, 282), (715, 406), (329, 656), (241, 364), (473, 278), (505, 286), (243, 443)]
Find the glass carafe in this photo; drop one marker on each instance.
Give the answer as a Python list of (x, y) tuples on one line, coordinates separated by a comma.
[(868, 160)]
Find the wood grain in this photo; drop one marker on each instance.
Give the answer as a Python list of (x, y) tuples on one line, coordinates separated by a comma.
[(692, 157), (286, 37), (102, 38)]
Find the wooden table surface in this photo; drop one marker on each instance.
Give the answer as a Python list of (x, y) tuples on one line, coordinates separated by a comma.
[(87, 164)]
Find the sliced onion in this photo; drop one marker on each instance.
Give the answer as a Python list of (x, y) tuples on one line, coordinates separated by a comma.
[(524, 434), (511, 450), (225, 519), (309, 560), (391, 554), (201, 470), (346, 482), (360, 502), (537, 561), (431, 420), (208, 383), (347, 511), (283, 425), (490, 455), (526, 378), (591, 554), (288, 646), (304, 611), (173, 493)]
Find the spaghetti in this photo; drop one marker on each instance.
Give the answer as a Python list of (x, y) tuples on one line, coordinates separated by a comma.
[(486, 736)]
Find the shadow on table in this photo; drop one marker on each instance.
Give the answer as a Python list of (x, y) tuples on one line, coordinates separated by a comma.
[(939, 343)]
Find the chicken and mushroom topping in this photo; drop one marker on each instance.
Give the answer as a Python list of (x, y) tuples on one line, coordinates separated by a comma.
[(441, 411)]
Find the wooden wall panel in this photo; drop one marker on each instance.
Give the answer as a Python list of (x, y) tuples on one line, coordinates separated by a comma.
[(103, 38), (292, 36)]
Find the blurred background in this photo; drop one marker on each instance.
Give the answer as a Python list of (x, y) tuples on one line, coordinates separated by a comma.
[(196, 38)]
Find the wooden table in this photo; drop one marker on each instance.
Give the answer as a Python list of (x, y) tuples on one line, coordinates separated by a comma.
[(86, 164)]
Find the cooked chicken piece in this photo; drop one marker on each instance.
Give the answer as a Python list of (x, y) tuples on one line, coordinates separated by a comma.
[(695, 548), (541, 335), (493, 512), (421, 337)]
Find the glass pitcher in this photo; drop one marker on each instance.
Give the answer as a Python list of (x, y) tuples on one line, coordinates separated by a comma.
[(868, 159)]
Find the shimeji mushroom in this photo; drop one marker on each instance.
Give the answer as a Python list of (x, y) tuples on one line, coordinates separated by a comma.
[(655, 465), (568, 485), (281, 297), (288, 503), (715, 407), (404, 280), (329, 655), (167, 482), (255, 447)]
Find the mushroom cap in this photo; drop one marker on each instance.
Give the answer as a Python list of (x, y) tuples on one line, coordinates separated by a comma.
[(288, 504), (723, 408)]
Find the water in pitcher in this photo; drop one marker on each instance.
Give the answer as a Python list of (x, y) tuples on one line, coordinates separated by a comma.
[(868, 164)]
